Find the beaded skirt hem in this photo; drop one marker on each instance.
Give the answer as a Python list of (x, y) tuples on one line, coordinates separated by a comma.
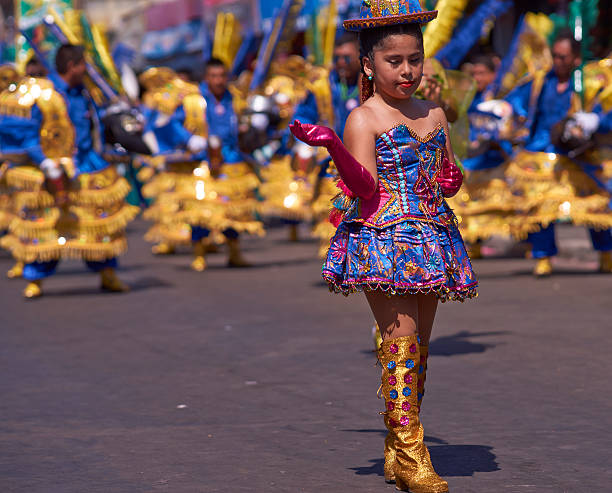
[(442, 292), (407, 258)]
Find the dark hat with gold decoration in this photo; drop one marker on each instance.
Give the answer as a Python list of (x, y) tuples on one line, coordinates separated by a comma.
[(378, 13)]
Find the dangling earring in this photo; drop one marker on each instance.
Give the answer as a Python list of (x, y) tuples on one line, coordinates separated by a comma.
[(369, 77)]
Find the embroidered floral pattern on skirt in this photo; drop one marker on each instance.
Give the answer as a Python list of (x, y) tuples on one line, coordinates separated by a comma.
[(406, 258)]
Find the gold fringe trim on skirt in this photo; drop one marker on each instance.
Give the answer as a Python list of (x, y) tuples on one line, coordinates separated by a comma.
[(172, 234), (102, 197), (145, 174), (28, 253), (106, 225), (33, 230), (25, 178), (95, 251), (33, 200), (5, 220)]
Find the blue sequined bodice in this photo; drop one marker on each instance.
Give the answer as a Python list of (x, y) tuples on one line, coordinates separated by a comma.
[(407, 166)]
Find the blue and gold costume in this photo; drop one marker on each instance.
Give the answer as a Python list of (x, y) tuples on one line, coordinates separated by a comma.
[(181, 192), (86, 216), (557, 187), (234, 181)]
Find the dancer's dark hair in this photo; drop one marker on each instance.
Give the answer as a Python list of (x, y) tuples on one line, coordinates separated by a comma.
[(486, 60), (567, 35), (373, 38)]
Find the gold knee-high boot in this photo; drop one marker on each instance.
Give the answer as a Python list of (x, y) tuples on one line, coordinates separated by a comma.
[(412, 468), (389, 439)]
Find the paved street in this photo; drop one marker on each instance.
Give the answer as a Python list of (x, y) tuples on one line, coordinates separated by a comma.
[(259, 380)]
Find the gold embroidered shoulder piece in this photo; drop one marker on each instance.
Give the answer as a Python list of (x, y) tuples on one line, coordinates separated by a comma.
[(57, 132)]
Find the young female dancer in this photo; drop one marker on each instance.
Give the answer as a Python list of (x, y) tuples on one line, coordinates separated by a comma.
[(398, 240)]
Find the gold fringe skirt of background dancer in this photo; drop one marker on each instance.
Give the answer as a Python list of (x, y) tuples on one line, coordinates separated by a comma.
[(86, 221), (557, 189), (189, 196)]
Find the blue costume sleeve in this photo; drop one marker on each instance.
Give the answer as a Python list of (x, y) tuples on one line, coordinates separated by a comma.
[(182, 135), (21, 135), (519, 99), (307, 111), (150, 116), (31, 141)]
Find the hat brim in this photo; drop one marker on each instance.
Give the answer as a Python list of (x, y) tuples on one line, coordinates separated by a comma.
[(391, 20)]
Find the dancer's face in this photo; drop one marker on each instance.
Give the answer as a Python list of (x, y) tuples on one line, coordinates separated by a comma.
[(397, 67), (216, 78), (346, 61), (564, 59), (482, 75)]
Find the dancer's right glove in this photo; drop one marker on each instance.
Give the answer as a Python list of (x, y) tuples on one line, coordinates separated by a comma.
[(357, 179), (450, 178)]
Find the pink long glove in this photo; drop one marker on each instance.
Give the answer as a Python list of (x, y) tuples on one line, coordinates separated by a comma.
[(450, 178), (358, 179)]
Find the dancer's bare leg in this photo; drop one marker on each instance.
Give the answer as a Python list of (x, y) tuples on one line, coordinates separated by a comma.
[(428, 305), (397, 316)]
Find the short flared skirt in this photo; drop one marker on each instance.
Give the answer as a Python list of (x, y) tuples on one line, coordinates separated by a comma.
[(409, 257)]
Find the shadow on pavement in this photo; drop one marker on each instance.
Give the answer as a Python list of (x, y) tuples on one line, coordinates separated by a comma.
[(376, 467), (141, 284), (448, 460), (459, 343), (462, 460), (78, 270)]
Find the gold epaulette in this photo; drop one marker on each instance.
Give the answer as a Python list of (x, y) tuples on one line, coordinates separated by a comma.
[(57, 133), (156, 77), (168, 97), (18, 99)]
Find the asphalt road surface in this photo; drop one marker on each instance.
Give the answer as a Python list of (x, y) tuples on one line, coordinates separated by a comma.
[(260, 380)]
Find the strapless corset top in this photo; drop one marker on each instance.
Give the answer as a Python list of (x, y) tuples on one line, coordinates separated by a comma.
[(407, 166)]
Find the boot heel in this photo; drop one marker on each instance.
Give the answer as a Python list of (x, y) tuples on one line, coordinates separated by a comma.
[(401, 485)]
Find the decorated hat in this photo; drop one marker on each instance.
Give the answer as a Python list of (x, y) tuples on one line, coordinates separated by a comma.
[(377, 13)]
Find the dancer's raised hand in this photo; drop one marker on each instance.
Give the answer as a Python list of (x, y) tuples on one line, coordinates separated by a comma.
[(313, 135)]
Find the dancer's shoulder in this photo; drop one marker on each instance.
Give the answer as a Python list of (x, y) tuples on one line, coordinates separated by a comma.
[(361, 120)]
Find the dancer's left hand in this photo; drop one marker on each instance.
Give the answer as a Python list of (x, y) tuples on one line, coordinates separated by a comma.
[(450, 178)]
